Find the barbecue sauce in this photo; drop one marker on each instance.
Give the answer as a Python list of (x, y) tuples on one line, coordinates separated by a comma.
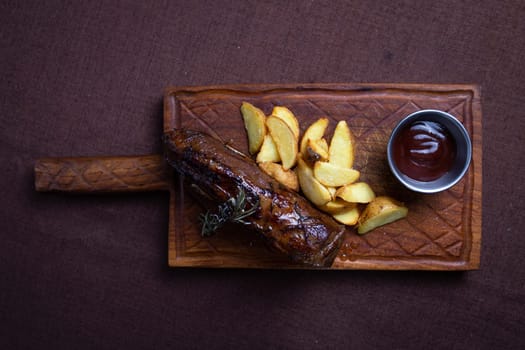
[(424, 151)]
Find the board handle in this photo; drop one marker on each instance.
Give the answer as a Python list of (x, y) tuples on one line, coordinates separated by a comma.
[(102, 174)]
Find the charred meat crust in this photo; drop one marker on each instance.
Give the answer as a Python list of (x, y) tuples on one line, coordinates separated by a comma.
[(287, 220)]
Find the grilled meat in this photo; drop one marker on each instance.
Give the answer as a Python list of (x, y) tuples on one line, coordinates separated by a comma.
[(287, 220)]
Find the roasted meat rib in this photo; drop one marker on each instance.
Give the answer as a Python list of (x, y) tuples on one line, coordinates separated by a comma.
[(287, 220)]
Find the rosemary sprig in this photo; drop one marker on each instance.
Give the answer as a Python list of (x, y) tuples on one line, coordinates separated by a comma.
[(233, 210)]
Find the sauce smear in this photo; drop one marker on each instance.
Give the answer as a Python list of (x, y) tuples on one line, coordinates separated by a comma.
[(424, 151)]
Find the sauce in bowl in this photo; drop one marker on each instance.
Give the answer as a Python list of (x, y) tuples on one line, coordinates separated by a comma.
[(424, 150)]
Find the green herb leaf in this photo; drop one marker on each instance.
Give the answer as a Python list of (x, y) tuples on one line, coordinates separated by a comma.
[(233, 210)]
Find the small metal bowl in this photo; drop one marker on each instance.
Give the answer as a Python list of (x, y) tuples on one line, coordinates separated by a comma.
[(462, 159)]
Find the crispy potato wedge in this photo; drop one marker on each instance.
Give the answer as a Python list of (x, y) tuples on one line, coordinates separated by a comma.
[(341, 151), (268, 151), (284, 139), (348, 216), (316, 147), (254, 123), (380, 211), (312, 189), (332, 191), (288, 117), (315, 151), (287, 178), (358, 192), (314, 132), (335, 206), (322, 144), (332, 175)]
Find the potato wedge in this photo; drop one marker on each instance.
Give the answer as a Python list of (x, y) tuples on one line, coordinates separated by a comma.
[(287, 178), (312, 189), (288, 117), (381, 211), (348, 216), (341, 151), (315, 151), (335, 206), (322, 144), (254, 123), (358, 192), (332, 175), (268, 151), (332, 191), (314, 132), (284, 139)]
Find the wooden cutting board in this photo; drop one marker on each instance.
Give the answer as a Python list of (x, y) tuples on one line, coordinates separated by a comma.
[(441, 232)]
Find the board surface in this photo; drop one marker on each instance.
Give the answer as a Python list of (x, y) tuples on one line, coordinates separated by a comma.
[(441, 232)]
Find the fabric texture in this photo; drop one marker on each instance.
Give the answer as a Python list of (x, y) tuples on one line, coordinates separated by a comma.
[(90, 272)]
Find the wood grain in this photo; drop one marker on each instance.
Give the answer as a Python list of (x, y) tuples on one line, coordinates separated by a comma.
[(442, 231), (101, 174)]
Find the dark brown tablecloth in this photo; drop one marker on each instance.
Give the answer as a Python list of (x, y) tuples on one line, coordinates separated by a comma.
[(87, 77)]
